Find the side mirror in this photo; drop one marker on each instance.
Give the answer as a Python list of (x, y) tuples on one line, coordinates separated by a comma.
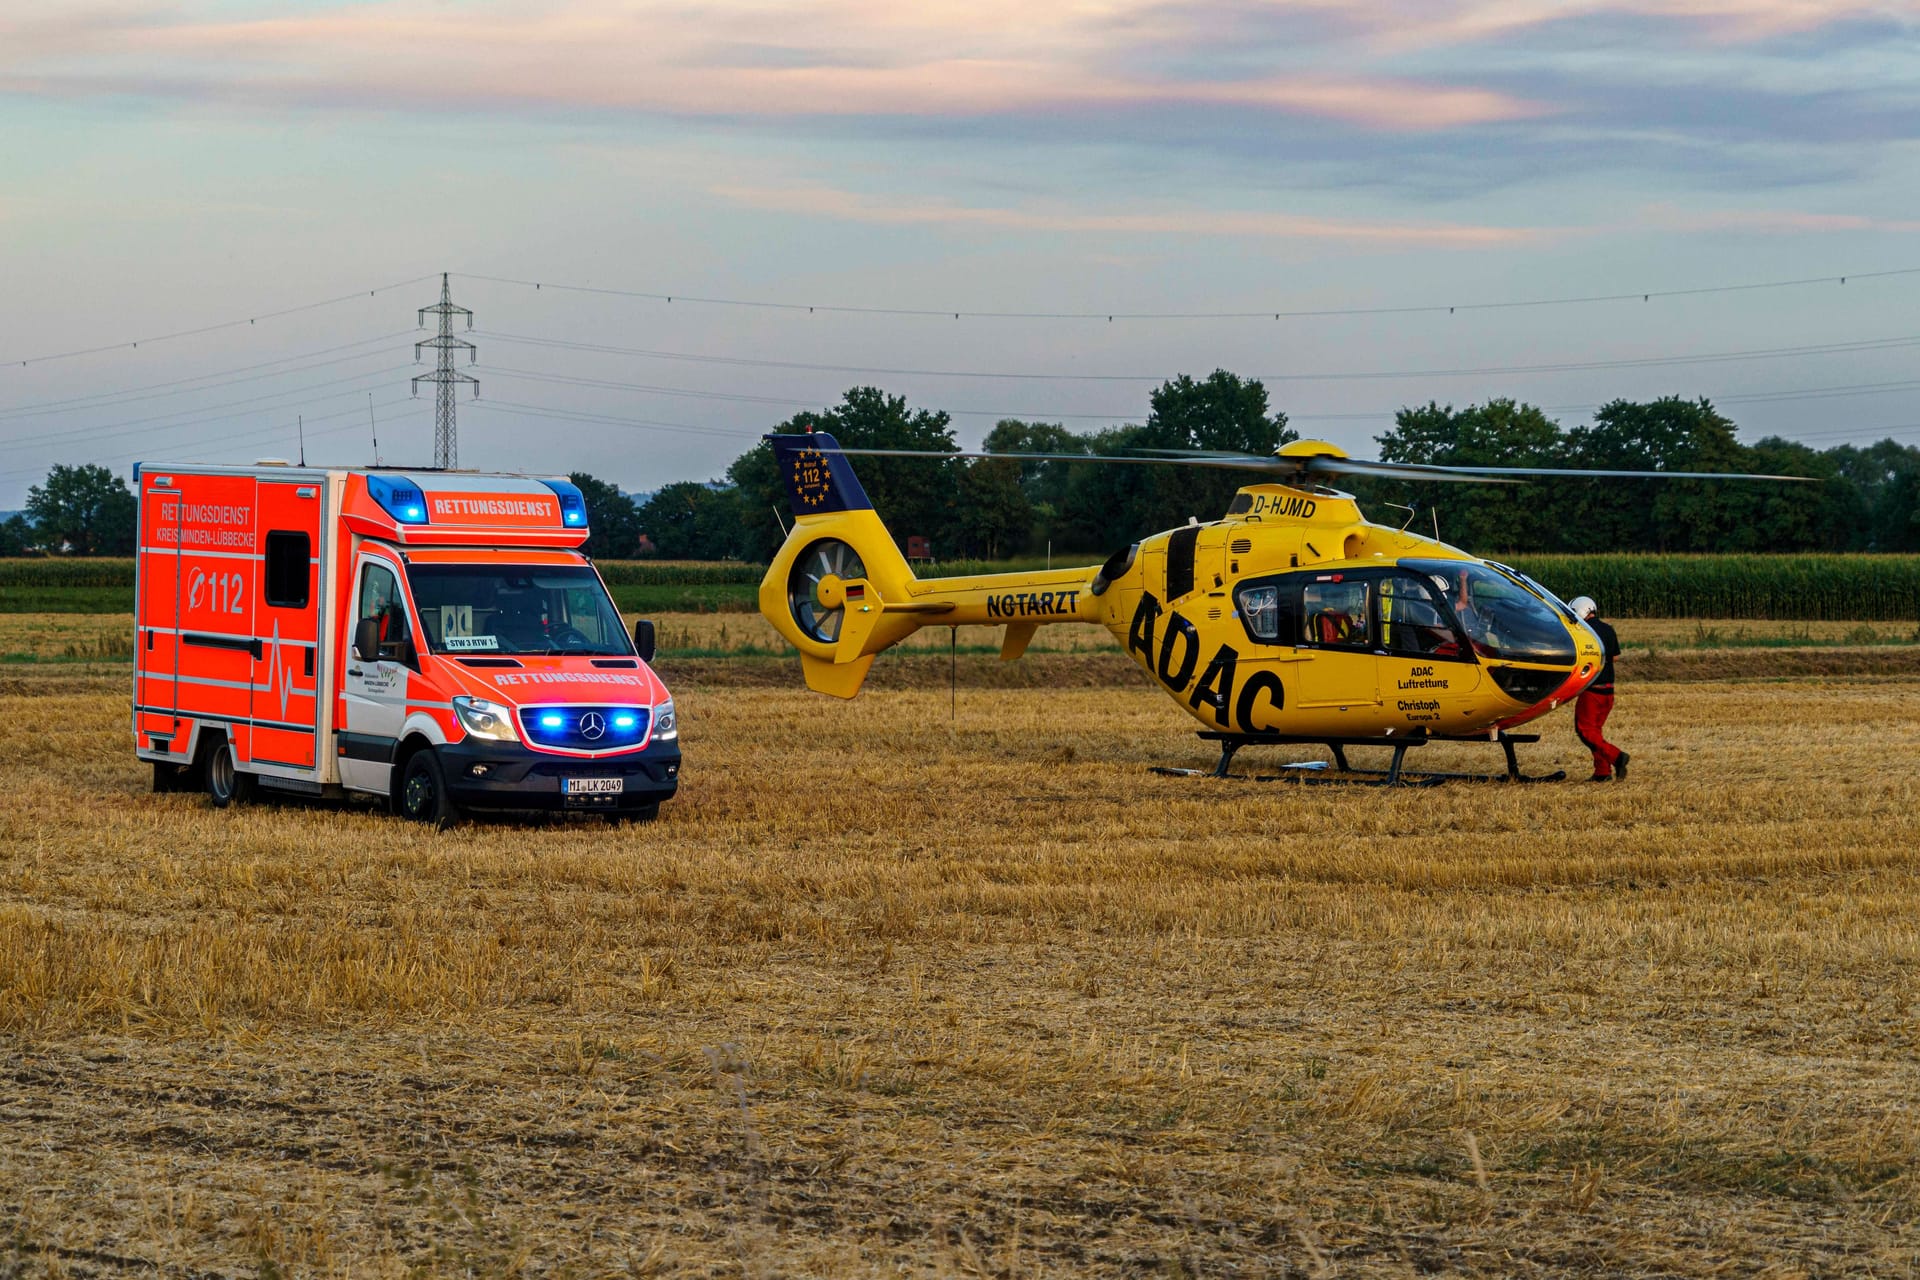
[(643, 638), (366, 640)]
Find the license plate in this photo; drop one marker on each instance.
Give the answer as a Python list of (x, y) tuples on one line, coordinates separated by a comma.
[(596, 786)]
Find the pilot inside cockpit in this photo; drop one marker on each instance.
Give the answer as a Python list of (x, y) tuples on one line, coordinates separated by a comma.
[(1465, 594)]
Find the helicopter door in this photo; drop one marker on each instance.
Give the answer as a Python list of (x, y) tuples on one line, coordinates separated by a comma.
[(1338, 642), (1423, 654)]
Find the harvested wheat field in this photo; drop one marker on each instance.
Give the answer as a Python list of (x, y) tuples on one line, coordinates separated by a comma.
[(888, 993)]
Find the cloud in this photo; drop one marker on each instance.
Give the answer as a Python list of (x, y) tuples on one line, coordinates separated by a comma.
[(1436, 98), (844, 58), (830, 202), (1769, 221)]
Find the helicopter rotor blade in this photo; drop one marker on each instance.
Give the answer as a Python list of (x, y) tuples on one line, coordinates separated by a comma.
[(1237, 461), (1300, 467), (1328, 466), (1512, 475)]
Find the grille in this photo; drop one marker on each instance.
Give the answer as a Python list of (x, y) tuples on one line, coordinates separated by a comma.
[(584, 728), (1240, 546)]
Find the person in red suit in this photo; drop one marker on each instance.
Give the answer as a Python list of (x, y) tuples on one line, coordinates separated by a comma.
[(1596, 703)]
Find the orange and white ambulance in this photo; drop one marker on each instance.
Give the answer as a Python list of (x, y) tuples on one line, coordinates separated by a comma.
[(435, 638)]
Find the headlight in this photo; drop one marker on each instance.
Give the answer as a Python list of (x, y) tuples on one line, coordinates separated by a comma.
[(483, 719), (665, 727)]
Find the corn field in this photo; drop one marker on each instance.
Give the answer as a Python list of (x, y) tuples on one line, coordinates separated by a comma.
[(679, 573), (67, 571), (1813, 588)]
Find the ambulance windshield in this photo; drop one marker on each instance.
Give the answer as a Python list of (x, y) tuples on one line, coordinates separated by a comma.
[(1502, 618), (506, 609)]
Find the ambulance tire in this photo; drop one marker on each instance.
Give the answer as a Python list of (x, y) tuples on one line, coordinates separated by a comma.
[(227, 783), (423, 795)]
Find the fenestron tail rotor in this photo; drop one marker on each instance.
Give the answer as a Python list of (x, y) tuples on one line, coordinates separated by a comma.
[(816, 590)]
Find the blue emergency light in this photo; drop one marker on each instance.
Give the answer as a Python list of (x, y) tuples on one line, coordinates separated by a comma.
[(399, 497), (573, 503)]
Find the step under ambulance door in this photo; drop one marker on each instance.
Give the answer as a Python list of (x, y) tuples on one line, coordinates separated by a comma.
[(286, 628)]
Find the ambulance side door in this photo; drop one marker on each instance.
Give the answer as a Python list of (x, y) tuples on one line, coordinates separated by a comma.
[(373, 694)]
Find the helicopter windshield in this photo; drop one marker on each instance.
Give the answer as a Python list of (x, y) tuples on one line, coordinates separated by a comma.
[(1502, 618)]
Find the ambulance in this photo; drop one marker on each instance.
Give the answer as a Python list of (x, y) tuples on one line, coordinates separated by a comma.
[(432, 639)]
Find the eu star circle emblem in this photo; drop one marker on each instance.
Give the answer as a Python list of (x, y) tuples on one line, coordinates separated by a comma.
[(811, 482)]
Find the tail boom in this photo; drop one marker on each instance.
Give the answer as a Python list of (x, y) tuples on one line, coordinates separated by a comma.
[(840, 591)]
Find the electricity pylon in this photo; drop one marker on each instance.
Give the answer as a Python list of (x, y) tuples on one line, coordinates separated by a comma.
[(446, 447)]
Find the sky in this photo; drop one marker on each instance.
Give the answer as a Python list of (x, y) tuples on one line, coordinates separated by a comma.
[(944, 200)]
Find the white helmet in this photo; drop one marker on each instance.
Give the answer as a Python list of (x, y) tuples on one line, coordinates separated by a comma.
[(1583, 607)]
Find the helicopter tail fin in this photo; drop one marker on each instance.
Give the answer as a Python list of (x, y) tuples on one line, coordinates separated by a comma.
[(819, 478)]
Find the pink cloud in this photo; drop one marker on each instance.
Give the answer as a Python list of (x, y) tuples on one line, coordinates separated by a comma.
[(831, 202), (845, 57)]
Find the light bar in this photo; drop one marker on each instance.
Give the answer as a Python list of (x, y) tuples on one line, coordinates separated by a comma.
[(573, 503), (399, 497)]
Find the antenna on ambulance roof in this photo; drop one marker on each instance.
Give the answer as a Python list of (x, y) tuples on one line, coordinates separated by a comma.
[(374, 430), (301, 421)]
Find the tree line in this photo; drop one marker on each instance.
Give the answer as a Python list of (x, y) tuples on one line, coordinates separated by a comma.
[(1868, 498)]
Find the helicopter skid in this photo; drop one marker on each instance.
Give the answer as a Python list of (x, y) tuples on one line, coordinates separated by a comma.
[(1395, 774)]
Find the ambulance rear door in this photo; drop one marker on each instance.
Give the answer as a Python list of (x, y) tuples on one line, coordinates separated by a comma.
[(287, 607), (219, 565), (156, 639)]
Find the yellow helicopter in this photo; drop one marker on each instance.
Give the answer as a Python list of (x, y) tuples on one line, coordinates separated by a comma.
[(1292, 618)]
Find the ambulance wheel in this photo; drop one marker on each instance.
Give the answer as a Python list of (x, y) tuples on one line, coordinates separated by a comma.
[(423, 791), (227, 783)]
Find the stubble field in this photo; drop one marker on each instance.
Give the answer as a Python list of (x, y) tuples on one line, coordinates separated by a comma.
[(899, 987)]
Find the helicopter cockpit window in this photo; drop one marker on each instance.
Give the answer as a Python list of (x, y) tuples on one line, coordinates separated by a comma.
[(1336, 613), (1412, 622), (1501, 618)]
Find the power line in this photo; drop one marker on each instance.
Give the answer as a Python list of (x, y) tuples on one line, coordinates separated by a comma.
[(280, 429), (212, 381), (572, 415), (815, 368), (958, 313), (1768, 353), (417, 412), (199, 416), (790, 402), (215, 328), (1899, 428), (1817, 393)]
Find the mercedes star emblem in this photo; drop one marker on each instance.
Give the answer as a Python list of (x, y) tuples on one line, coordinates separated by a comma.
[(592, 725)]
